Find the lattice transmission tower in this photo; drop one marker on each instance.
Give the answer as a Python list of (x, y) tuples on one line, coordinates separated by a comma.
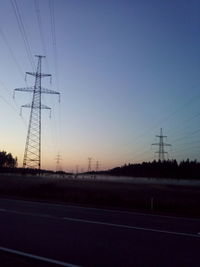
[(89, 164), (161, 151), (32, 153), (58, 159), (97, 166)]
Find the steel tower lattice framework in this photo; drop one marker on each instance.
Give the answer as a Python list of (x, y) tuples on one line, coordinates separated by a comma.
[(32, 154), (58, 159), (161, 151), (89, 164)]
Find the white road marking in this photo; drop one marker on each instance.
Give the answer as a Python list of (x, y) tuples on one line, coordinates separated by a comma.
[(130, 212), (21, 253), (101, 223), (64, 205), (131, 227)]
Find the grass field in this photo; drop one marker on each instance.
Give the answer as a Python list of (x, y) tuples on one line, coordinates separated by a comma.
[(170, 199)]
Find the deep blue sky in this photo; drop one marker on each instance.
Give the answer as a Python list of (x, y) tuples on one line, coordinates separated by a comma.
[(124, 69)]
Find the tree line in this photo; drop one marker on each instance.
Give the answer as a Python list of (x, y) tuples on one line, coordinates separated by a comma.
[(160, 169)]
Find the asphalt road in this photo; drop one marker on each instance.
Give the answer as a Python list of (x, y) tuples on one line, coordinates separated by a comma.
[(79, 236)]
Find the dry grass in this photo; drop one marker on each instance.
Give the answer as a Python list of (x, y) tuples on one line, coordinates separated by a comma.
[(179, 200)]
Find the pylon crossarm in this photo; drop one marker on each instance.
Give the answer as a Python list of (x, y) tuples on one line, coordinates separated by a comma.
[(167, 144), (31, 73), (35, 106), (26, 106), (25, 89), (48, 91), (44, 107), (44, 75), (35, 74)]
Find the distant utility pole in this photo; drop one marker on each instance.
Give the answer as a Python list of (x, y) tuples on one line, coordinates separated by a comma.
[(89, 164), (97, 166), (32, 154), (58, 159), (161, 152)]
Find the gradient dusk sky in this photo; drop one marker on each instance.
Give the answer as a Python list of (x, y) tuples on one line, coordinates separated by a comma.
[(124, 69)]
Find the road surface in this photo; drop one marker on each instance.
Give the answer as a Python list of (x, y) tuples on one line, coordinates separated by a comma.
[(73, 236)]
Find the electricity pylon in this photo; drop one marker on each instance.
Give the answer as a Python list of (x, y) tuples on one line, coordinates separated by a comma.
[(32, 154), (89, 164), (77, 169), (161, 151), (58, 159), (97, 166)]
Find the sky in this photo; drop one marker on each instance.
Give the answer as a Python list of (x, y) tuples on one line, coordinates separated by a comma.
[(124, 70)]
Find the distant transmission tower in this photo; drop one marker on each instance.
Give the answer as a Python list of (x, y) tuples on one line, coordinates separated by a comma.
[(97, 166), (77, 169), (32, 154), (58, 159), (161, 152), (89, 164)]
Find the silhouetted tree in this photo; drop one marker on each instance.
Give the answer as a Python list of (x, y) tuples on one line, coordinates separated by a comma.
[(7, 160)]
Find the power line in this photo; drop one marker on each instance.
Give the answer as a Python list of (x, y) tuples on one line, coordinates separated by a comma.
[(189, 120), (41, 33), (54, 43), (53, 35), (186, 126), (169, 116), (40, 27), (11, 52), (23, 32), (14, 108), (191, 133)]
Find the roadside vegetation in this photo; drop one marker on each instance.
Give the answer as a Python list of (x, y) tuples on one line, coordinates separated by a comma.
[(62, 187), (168, 199)]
